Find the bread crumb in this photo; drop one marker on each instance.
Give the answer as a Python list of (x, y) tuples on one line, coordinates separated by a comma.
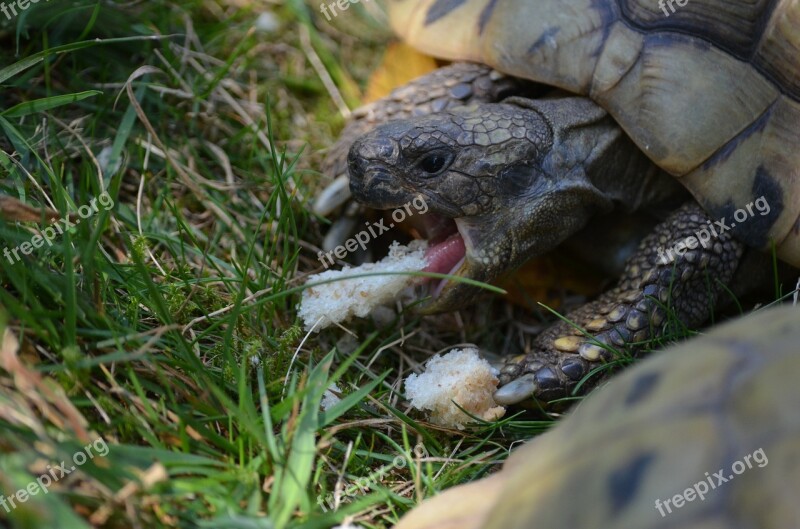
[(461, 376), (331, 397), (340, 300)]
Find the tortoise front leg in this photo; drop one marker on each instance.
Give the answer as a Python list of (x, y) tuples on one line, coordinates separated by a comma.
[(634, 311)]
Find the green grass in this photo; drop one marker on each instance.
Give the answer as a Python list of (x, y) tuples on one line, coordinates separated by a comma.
[(165, 326)]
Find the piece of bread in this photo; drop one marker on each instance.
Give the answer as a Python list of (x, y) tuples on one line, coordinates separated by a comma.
[(340, 300), (460, 376)]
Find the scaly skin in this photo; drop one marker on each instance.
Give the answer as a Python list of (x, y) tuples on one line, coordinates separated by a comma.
[(519, 178), (449, 87), (452, 86), (634, 311)]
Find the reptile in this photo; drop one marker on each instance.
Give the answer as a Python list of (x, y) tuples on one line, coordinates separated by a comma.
[(560, 117)]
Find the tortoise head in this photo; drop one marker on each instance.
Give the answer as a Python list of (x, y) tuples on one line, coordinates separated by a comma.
[(501, 183)]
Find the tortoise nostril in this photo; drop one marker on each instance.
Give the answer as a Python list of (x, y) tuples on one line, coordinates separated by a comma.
[(369, 158), (367, 165)]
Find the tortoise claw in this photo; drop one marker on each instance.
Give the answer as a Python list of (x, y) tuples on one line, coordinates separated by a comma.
[(335, 195), (516, 391), (527, 379)]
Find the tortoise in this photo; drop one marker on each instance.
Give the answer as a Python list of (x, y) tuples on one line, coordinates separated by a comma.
[(640, 106), (703, 435)]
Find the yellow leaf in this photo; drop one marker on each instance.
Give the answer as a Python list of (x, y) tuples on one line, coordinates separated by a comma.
[(548, 278), (13, 210), (400, 64)]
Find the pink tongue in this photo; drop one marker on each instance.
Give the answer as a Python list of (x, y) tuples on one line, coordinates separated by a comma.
[(443, 257)]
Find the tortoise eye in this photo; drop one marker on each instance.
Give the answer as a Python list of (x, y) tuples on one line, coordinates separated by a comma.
[(434, 162)]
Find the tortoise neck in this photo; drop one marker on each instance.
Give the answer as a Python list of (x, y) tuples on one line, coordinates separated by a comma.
[(588, 143)]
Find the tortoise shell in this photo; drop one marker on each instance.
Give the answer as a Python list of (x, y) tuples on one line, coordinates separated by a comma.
[(708, 89), (705, 435)]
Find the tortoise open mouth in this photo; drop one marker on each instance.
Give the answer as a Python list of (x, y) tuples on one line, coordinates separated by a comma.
[(446, 253)]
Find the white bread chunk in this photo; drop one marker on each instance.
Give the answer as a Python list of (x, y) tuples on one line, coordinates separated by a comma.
[(331, 397), (460, 376), (340, 300)]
